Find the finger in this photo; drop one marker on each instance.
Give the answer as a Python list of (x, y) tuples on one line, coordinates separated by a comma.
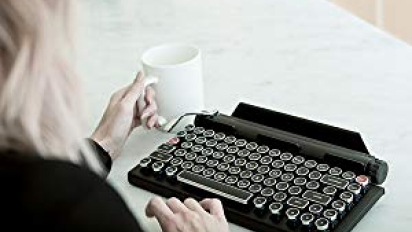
[(176, 205), (135, 89), (192, 204), (150, 94), (158, 208), (214, 206), (149, 110), (153, 121), (119, 94)]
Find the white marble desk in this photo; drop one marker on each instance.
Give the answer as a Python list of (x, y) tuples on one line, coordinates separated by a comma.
[(304, 57)]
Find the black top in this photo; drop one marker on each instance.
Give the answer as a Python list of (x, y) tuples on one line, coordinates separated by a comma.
[(50, 195)]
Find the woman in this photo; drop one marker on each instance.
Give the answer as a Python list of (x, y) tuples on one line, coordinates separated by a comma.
[(51, 178)]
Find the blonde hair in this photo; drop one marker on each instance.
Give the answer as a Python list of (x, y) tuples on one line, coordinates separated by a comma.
[(40, 96)]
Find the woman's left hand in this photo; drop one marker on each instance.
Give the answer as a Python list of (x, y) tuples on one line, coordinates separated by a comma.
[(122, 116)]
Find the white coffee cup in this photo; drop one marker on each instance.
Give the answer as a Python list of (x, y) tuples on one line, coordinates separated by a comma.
[(176, 72)]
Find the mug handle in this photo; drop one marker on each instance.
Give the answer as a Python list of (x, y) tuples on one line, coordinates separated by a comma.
[(141, 103)]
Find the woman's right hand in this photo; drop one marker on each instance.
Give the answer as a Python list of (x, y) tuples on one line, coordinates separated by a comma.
[(188, 216)]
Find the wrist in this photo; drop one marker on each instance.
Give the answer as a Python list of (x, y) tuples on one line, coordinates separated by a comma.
[(108, 145)]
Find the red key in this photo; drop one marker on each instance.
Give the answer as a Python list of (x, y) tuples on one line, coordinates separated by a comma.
[(173, 141), (362, 180)]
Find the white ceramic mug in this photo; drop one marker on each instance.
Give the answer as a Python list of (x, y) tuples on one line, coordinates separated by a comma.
[(176, 72)]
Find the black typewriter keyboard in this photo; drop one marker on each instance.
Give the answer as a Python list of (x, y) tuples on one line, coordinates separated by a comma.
[(303, 193)]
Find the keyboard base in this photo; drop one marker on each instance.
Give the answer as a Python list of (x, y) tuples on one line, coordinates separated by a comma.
[(247, 217)]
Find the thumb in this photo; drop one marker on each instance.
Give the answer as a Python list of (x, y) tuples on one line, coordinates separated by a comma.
[(135, 90)]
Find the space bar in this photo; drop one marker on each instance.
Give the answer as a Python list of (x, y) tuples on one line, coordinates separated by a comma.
[(215, 187)]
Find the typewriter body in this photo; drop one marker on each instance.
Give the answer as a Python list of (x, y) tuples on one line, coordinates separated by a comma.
[(272, 171)]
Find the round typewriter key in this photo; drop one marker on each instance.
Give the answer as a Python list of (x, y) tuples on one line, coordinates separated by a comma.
[(187, 165), (176, 161), (259, 202), (232, 150), (287, 177), (243, 184), (290, 167), (315, 175), (310, 163), (274, 152), (209, 133), (298, 160), (269, 182), (267, 192), (181, 134), (275, 173), (322, 224), (219, 136), (346, 197), (335, 171), (330, 190), (240, 162), (243, 153), (200, 140), (241, 142), (223, 167), (229, 158), (295, 190), (157, 166), (362, 180), (230, 139), (254, 156), (322, 167), (278, 164), (170, 171), (209, 172), (331, 215), (280, 196), (302, 171), (246, 174), (356, 190), (339, 206), (198, 168), (190, 137), (212, 163), (292, 213), (299, 181), (257, 178), (262, 149), (307, 219), (189, 127), (207, 151), (234, 170), (222, 146), (266, 160), (315, 209), (211, 143), (199, 130), (252, 165), (218, 155), (255, 188), (201, 159), (286, 156), (312, 185), (173, 141), (190, 156), (251, 146), (144, 162), (348, 175), (263, 169), (197, 148), (282, 186), (220, 176), (275, 208), (231, 179), (186, 145)]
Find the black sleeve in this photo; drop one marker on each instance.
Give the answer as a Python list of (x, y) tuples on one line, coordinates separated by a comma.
[(75, 199), (102, 154)]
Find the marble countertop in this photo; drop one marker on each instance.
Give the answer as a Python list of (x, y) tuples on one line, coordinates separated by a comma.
[(308, 58)]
